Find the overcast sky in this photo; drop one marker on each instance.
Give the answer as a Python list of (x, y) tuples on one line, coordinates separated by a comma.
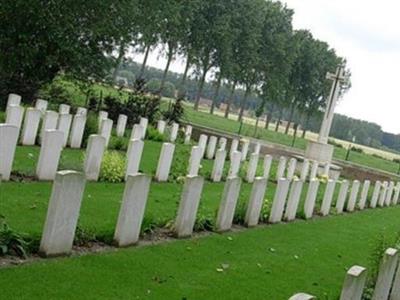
[(367, 33)]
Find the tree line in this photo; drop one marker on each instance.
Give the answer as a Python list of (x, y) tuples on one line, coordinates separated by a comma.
[(248, 45)]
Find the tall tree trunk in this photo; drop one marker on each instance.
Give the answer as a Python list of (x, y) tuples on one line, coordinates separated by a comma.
[(230, 99), (121, 54), (305, 126), (146, 56), (256, 126), (279, 120), (200, 89), (243, 102), (170, 56), (290, 119), (269, 116), (216, 93), (184, 76)]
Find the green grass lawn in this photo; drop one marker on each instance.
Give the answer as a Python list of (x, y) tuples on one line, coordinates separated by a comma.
[(271, 262)]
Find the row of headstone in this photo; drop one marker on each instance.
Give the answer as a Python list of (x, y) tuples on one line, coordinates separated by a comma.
[(387, 284), (68, 189)]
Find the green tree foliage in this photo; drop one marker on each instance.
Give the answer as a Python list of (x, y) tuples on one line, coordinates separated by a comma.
[(40, 39)]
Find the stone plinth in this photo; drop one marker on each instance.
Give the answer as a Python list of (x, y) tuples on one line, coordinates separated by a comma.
[(320, 152)]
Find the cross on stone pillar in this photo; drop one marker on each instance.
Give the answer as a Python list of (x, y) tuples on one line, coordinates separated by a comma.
[(339, 78)]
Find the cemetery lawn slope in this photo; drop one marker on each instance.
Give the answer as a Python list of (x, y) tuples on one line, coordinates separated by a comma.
[(269, 262)]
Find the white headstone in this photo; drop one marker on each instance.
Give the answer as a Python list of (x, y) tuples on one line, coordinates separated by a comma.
[(256, 202), (102, 115), (257, 148), (161, 126), (165, 161), (386, 273), (31, 126), (106, 129), (344, 188), (234, 147), (41, 105), (327, 168), (375, 194), (354, 283), (13, 99), (195, 161), (305, 168), (328, 196), (174, 132), (8, 143), (227, 206), (132, 209), (62, 213), (137, 132), (396, 194), (203, 142), (364, 194), (252, 167), (382, 196), (14, 116), (64, 109), (311, 197), (121, 125), (64, 125), (235, 164), (144, 122), (280, 172), (278, 204), (77, 130), (81, 111), (211, 147), (267, 165), (94, 156), (50, 121), (188, 206), (353, 196), (222, 143), (291, 168), (133, 157), (395, 293), (188, 134), (293, 199), (50, 152), (389, 194), (245, 149), (218, 167), (314, 170)]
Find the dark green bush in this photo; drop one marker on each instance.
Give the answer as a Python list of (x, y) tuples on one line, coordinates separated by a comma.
[(118, 143), (91, 127), (175, 111), (12, 242), (152, 134)]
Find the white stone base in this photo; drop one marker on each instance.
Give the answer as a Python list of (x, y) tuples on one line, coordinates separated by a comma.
[(322, 153)]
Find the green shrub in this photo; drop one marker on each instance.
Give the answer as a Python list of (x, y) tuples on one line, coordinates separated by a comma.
[(240, 214), (153, 134), (91, 127), (113, 167), (12, 242), (118, 143), (382, 243), (358, 150), (180, 165), (175, 111)]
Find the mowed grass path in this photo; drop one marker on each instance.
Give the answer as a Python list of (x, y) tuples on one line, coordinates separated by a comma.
[(271, 262)]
